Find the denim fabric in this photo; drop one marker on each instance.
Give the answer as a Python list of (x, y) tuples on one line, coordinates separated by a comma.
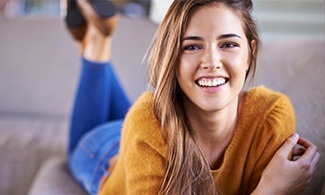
[(99, 99), (99, 110), (89, 162)]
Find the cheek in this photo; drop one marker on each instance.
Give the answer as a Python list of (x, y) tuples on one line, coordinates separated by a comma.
[(179, 70), (241, 57), (237, 65), (181, 73), (185, 69)]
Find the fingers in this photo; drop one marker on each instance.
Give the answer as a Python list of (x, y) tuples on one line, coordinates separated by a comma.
[(305, 143), (289, 144), (307, 155), (311, 150), (309, 159), (314, 162)]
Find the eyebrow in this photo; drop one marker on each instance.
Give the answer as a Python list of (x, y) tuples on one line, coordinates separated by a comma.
[(197, 38), (224, 36)]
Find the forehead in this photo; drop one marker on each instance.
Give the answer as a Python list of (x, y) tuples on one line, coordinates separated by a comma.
[(214, 17)]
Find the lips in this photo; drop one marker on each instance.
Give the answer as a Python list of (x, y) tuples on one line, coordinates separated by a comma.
[(211, 82)]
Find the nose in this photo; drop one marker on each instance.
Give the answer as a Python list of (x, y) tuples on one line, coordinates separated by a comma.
[(211, 59)]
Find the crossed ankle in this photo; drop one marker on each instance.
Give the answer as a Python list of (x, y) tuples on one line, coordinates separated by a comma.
[(83, 13)]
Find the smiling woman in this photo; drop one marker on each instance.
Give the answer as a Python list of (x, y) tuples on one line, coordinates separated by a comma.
[(198, 132), (217, 57), (211, 75), (218, 50)]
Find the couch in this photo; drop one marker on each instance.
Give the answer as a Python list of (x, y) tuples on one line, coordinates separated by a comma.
[(39, 73)]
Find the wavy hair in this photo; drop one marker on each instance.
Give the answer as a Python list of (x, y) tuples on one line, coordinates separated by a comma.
[(188, 171)]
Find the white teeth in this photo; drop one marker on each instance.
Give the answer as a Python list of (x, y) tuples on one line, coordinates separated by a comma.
[(211, 82)]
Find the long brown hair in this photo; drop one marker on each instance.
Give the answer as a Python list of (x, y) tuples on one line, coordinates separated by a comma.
[(188, 171)]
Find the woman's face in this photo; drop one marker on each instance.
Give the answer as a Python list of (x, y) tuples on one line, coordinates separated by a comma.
[(214, 59)]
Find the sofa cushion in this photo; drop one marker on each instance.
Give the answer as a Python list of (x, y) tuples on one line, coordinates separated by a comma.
[(25, 143), (54, 178)]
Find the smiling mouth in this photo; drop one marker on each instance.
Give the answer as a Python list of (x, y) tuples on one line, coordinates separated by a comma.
[(211, 82)]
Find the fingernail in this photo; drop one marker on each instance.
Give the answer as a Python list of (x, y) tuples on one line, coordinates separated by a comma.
[(296, 135)]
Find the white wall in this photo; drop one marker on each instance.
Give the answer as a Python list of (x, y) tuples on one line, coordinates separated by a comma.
[(158, 9)]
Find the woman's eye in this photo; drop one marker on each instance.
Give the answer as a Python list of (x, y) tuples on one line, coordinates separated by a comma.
[(191, 47), (229, 45)]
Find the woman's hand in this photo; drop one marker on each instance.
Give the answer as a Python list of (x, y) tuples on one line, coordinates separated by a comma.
[(284, 176)]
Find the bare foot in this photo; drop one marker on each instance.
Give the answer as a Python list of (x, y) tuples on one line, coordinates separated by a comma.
[(95, 46)]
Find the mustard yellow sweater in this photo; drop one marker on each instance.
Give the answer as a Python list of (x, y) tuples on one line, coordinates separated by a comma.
[(266, 120)]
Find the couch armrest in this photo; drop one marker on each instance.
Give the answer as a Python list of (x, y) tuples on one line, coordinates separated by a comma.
[(54, 178)]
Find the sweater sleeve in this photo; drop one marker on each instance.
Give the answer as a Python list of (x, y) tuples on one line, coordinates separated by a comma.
[(144, 161), (141, 165), (278, 125)]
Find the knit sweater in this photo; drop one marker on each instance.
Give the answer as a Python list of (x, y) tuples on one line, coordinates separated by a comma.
[(265, 121)]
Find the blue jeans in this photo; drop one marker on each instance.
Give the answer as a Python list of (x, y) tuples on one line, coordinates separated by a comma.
[(99, 110)]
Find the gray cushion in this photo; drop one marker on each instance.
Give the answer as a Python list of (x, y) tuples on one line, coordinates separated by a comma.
[(54, 178), (24, 144)]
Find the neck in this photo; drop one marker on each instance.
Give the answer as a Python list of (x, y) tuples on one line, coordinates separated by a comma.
[(215, 129), (211, 127)]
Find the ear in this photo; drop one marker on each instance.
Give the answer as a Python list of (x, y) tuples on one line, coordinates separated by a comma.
[(252, 52), (253, 46)]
